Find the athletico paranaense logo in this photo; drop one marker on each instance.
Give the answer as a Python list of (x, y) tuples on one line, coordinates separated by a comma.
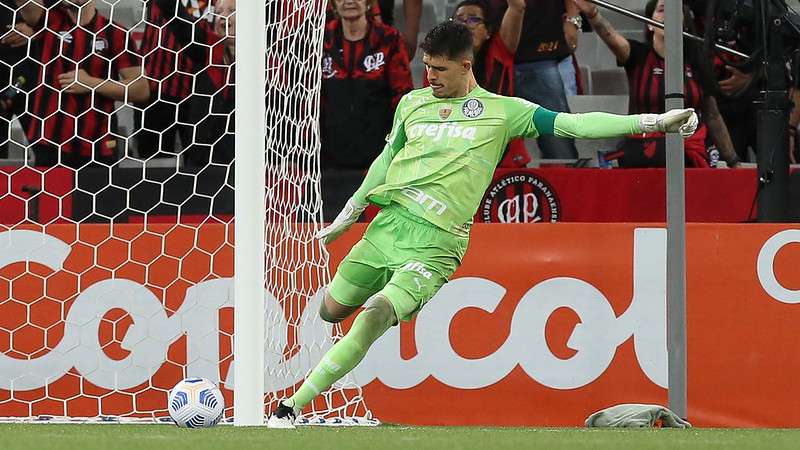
[(520, 198)]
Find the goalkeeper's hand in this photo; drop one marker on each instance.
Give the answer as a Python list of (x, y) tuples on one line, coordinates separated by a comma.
[(350, 213), (683, 121)]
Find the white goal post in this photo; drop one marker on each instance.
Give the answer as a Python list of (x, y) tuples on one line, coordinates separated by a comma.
[(250, 216)]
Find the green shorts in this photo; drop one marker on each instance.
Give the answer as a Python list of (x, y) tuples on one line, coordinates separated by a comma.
[(403, 257)]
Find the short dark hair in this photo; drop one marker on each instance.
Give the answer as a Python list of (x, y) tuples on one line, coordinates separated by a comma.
[(449, 39)]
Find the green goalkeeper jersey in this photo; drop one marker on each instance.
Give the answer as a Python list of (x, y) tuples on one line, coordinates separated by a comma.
[(441, 153)]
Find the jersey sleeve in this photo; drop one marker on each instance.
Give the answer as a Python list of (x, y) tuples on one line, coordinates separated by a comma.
[(594, 125), (530, 120), (520, 115), (395, 141)]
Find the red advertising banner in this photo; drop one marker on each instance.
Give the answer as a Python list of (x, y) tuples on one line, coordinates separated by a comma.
[(624, 195), (542, 324)]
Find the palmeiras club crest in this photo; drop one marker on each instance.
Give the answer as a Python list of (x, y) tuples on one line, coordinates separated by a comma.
[(520, 197), (472, 108)]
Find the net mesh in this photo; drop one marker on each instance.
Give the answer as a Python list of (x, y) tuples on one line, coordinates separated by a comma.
[(296, 262), (116, 206)]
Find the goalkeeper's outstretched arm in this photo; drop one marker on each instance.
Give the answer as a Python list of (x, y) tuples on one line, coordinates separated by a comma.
[(599, 125)]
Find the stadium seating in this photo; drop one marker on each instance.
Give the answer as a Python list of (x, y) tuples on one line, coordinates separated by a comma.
[(600, 74)]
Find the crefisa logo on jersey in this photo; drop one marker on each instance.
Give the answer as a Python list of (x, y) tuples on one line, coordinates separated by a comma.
[(472, 108), (520, 198)]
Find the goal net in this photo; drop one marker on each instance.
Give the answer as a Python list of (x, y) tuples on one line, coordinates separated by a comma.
[(117, 207)]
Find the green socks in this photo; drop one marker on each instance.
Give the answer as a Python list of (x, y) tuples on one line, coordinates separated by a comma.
[(339, 360), (345, 355)]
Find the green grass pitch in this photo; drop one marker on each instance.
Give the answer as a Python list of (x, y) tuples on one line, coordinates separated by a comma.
[(166, 437)]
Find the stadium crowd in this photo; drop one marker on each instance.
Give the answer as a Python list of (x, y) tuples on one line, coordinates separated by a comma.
[(68, 71)]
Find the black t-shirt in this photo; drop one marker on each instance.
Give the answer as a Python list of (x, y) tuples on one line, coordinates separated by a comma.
[(542, 36)]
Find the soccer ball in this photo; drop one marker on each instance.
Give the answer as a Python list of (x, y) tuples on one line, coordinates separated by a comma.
[(196, 403)]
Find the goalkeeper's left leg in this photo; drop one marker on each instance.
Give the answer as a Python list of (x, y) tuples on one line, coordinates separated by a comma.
[(377, 317)]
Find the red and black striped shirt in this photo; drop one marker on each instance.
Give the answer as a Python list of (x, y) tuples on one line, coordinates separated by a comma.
[(646, 78), (77, 123), (167, 65), (362, 83)]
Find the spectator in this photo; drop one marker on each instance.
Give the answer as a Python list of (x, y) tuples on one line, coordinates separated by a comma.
[(739, 88), (644, 64), (738, 94), (383, 11), (494, 47), (365, 72), (213, 107), (494, 44), (544, 71), (170, 71), (17, 71), (86, 65)]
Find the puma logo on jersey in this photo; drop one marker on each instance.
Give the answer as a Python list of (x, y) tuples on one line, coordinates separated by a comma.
[(416, 266), (440, 130)]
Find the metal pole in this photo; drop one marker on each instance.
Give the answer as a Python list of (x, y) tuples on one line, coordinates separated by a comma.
[(647, 20), (772, 121), (676, 215), (250, 215)]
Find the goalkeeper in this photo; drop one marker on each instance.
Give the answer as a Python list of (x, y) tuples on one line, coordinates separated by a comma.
[(439, 158)]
